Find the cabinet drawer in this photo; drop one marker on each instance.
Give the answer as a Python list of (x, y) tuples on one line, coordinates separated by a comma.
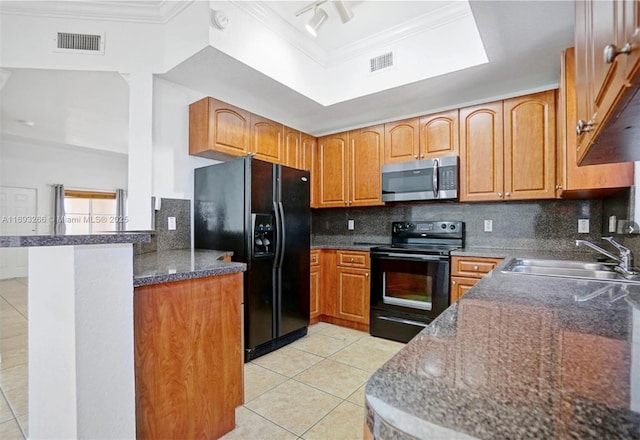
[(315, 258), (473, 267), (353, 259)]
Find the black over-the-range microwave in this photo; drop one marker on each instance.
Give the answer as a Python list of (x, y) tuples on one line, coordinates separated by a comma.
[(430, 179)]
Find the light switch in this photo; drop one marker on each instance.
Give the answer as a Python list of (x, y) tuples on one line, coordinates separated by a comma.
[(171, 223), (350, 225), (583, 226)]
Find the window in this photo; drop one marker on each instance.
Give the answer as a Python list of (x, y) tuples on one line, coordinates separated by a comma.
[(88, 212)]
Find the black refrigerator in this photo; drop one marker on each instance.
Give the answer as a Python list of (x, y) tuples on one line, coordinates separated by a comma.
[(261, 212)]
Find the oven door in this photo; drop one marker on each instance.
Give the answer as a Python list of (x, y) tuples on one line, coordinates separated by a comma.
[(407, 292)]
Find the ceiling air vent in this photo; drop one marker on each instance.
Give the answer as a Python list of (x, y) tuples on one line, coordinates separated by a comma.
[(380, 62), (80, 43)]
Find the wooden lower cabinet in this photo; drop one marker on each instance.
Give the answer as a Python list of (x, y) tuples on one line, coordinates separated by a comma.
[(460, 286), (314, 290), (343, 288), (466, 272), (188, 357)]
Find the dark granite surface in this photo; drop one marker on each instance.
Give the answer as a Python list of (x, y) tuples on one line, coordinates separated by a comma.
[(74, 240), (184, 264), (518, 356)]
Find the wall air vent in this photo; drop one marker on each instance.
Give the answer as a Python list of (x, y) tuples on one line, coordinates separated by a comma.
[(384, 61), (79, 43)]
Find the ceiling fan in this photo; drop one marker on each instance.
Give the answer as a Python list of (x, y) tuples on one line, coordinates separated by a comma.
[(320, 15)]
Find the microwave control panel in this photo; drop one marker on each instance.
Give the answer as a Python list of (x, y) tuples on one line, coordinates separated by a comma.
[(448, 178)]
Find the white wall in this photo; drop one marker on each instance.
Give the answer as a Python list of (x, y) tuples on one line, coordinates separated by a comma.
[(172, 165), (30, 164)]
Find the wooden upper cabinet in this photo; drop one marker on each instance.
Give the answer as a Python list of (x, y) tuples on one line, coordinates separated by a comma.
[(266, 139), (530, 146), (590, 180), (632, 36), (292, 154), (401, 141), (218, 129), (421, 138), (601, 83), (332, 177), (439, 134), (481, 153), (365, 162)]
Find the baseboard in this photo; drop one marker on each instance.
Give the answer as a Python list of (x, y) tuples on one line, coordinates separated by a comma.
[(344, 323)]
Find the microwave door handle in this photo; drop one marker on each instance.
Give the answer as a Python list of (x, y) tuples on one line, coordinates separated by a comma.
[(435, 178)]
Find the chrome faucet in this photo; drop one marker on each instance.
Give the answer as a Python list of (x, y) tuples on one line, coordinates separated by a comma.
[(625, 260)]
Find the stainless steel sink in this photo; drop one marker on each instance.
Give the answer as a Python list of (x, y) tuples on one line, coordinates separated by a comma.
[(566, 269)]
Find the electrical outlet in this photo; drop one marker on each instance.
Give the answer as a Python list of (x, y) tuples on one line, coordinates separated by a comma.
[(350, 225), (488, 226), (583, 226), (171, 223)]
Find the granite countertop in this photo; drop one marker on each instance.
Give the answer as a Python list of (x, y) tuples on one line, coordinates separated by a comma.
[(74, 240), (518, 356), (176, 265)]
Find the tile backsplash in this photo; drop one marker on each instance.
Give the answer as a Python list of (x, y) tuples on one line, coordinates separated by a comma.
[(164, 239), (544, 225)]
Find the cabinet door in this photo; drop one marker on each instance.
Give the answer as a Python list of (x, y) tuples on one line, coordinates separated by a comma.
[(481, 153), (314, 311), (332, 171), (216, 127), (353, 294), (365, 162), (401, 141), (460, 286), (571, 177), (439, 134), (632, 36), (600, 23), (291, 148), (530, 146), (584, 74), (266, 139)]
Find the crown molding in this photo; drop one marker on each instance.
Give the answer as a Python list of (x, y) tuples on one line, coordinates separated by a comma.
[(157, 12)]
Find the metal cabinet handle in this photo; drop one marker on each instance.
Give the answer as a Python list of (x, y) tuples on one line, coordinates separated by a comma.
[(453, 281), (352, 260), (558, 186), (415, 157), (583, 126), (500, 194), (422, 156), (508, 194), (366, 274), (611, 52), (475, 267)]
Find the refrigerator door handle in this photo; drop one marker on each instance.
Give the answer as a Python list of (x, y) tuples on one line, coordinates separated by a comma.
[(283, 227), (279, 235)]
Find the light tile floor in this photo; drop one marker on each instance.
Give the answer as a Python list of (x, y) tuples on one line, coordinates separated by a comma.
[(13, 368), (310, 389)]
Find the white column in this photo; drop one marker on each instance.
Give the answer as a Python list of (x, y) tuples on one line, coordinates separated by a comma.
[(140, 177), (81, 358)]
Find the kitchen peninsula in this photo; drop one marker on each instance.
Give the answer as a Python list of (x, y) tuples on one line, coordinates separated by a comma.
[(81, 329), (518, 356)]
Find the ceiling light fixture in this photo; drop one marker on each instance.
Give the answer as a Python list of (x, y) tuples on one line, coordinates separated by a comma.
[(320, 15), (346, 14)]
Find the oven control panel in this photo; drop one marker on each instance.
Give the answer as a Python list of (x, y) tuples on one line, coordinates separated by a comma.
[(432, 228)]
